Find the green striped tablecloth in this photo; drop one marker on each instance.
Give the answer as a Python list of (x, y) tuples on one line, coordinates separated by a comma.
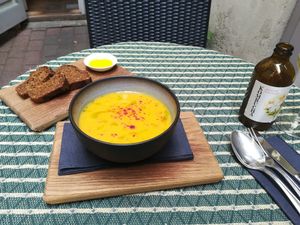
[(210, 84)]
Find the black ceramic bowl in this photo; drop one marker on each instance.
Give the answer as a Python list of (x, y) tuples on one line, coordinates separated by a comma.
[(124, 153)]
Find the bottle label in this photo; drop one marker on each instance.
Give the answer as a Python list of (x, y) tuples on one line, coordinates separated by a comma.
[(265, 102)]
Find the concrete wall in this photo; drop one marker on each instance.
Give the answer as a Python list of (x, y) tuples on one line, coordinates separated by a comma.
[(248, 29), (292, 34)]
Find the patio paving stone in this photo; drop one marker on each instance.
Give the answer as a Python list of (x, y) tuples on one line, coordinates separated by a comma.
[(29, 47)]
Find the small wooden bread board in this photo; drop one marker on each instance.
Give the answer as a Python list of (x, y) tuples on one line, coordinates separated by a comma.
[(38, 117), (203, 169)]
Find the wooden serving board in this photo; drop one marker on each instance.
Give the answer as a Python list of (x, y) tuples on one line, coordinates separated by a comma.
[(203, 169), (41, 116)]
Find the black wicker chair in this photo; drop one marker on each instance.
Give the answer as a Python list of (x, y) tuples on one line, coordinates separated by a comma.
[(177, 21)]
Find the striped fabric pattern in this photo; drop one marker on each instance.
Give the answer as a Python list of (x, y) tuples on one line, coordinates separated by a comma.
[(210, 84)]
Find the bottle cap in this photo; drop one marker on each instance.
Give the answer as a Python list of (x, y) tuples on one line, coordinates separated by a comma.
[(284, 48)]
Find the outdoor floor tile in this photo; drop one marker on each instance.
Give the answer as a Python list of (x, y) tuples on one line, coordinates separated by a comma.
[(37, 35), (14, 64), (50, 50), (3, 56), (16, 53), (21, 38), (30, 47), (25, 32), (8, 76), (32, 57), (81, 38), (53, 31), (5, 47), (79, 47), (21, 42), (35, 45), (51, 40), (67, 29), (81, 30)]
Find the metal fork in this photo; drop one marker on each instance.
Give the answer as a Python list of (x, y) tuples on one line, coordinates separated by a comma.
[(272, 164)]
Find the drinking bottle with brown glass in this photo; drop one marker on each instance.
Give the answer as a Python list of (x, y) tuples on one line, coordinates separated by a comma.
[(270, 83)]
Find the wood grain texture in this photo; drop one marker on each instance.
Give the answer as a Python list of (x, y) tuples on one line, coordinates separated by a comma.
[(203, 169), (38, 117)]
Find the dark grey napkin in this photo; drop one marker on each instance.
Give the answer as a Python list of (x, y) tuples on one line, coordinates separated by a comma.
[(74, 158), (278, 196)]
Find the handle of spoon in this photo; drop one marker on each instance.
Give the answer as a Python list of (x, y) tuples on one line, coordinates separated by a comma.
[(288, 179), (293, 199)]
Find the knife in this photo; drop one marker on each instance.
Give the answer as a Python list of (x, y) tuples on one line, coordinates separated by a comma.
[(271, 151)]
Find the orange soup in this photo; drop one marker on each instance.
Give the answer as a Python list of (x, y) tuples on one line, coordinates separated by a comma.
[(124, 117)]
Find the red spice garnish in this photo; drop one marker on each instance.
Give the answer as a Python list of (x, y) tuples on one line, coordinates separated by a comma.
[(129, 112), (131, 126), (114, 134)]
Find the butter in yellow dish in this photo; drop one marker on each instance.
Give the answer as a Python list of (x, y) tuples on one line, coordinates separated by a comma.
[(124, 117), (100, 63)]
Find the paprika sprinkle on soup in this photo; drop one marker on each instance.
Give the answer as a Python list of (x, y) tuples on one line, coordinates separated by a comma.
[(124, 117)]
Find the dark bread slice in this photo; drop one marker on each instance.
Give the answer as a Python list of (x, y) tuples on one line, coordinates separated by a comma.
[(36, 77), (21, 89), (76, 78), (45, 91)]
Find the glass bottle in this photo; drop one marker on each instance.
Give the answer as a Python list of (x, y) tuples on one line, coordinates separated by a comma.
[(270, 83)]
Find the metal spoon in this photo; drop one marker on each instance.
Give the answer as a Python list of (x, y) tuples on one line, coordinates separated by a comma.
[(252, 157), (269, 162)]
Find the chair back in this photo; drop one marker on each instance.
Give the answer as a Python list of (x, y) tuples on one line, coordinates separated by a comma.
[(176, 21)]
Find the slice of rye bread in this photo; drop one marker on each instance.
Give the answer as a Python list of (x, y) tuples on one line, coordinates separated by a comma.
[(45, 91), (36, 77), (76, 78)]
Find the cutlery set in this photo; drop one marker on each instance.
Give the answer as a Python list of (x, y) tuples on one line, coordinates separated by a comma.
[(254, 152)]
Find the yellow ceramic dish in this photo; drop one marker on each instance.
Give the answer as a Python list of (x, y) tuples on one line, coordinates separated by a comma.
[(100, 61), (124, 117)]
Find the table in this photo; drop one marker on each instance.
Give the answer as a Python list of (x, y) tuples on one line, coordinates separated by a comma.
[(210, 84)]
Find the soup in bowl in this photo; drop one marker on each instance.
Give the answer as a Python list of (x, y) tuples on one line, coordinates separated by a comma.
[(124, 119)]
